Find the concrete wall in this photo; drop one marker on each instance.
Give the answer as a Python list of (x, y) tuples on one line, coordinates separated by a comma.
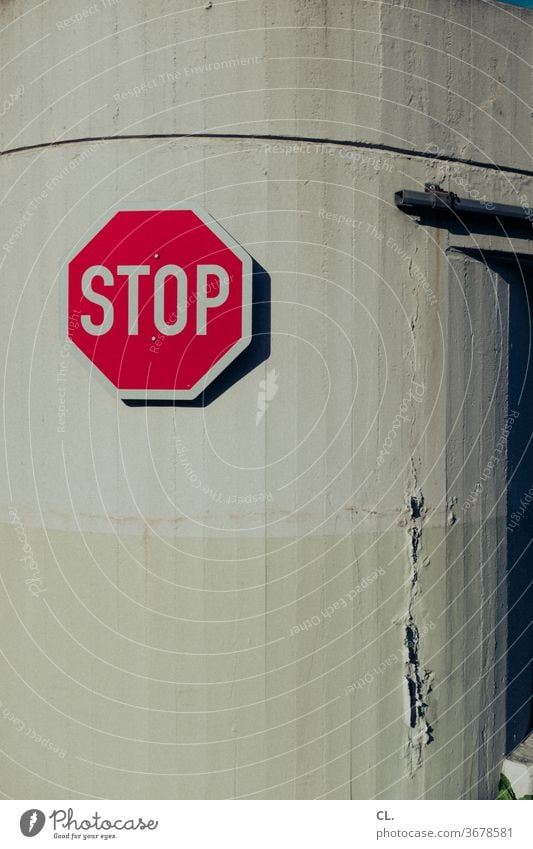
[(452, 74), (216, 603)]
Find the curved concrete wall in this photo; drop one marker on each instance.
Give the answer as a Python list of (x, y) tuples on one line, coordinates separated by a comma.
[(443, 75), (282, 594)]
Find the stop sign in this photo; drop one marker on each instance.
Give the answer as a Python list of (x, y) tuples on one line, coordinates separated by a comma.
[(159, 300)]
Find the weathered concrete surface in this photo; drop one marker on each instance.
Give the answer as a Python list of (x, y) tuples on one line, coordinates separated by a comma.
[(518, 768), (444, 75), (224, 604)]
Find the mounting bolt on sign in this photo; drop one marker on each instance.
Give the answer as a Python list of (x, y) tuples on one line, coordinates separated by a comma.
[(160, 302)]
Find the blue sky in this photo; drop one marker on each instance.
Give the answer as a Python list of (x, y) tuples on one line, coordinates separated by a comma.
[(527, 3)]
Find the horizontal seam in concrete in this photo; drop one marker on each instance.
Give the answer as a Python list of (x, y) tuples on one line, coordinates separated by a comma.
[(272, 138)]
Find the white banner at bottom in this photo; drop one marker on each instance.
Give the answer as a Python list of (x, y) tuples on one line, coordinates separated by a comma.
[(266, 824)]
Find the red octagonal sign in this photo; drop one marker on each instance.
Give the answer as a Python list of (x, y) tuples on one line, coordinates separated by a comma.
[(160, 302)]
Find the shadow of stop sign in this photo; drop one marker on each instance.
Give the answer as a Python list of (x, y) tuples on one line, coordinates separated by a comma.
[(160, 302)]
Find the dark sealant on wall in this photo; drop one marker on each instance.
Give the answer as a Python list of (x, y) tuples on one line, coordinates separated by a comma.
[(419, 680), (419, 683)]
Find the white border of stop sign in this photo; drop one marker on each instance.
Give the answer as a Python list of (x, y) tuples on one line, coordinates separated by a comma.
[(246, 326)]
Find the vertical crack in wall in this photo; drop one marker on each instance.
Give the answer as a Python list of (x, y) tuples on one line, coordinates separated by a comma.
[(419, 679)]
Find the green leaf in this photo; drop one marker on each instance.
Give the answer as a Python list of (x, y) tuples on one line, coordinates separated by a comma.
[(525, 797), (505, 790)]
